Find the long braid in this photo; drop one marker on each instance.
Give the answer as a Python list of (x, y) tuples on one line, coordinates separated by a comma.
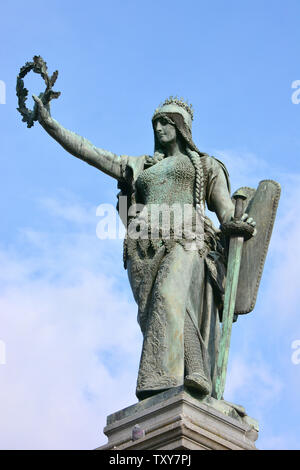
[(199, 193), (199, 180)]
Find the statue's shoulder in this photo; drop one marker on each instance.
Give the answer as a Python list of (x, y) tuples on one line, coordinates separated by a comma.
[(214, 166), (213, 162)]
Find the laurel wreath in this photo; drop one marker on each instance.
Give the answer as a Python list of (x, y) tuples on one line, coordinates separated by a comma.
[(38, 66)]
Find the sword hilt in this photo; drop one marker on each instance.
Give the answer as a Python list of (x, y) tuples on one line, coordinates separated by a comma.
[(239, 197)]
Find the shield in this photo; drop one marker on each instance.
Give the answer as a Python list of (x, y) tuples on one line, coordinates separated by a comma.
[(261, 204)]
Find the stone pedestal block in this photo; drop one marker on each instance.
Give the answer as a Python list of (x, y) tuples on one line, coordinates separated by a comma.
[(177, 419)]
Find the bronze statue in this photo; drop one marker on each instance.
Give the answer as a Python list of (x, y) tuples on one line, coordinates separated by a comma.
[(177, 281)]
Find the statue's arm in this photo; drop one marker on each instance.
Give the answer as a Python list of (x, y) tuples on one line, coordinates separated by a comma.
[(106, 161), (218, 196)]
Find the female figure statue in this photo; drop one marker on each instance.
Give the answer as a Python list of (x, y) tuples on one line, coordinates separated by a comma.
[(177, 282)]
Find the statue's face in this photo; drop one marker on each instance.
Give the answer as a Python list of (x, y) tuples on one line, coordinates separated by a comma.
[(165, 132)]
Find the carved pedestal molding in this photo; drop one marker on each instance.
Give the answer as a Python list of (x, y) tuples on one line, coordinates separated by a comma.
[(177, 420)]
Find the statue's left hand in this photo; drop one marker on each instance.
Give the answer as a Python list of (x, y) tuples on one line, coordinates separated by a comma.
[(244, 227), (43, 111), (250, 221)]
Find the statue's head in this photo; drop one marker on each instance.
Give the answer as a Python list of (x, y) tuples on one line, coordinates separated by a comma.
[(174, 106), (176, 117)]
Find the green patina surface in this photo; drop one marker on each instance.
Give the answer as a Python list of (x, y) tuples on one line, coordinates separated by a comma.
[(177, 282)]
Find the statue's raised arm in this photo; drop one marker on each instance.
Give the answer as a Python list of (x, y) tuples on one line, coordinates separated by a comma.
[(106, 161)]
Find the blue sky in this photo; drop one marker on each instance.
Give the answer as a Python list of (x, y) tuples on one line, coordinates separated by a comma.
[(67, 316)]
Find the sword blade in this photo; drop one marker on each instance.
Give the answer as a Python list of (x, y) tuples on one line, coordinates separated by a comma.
[(233, 269)]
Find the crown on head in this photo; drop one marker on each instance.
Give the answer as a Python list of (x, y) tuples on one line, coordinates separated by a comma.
[(180, 102)]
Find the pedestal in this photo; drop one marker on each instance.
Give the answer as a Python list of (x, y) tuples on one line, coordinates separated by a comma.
[(179, 420)]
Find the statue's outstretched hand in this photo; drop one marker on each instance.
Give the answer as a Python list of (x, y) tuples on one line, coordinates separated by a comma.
[(43, 111)]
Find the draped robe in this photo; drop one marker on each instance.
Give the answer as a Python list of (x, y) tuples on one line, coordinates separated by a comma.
[(178, 289)]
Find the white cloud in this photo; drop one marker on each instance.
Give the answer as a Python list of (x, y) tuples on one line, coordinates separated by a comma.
[(256, 378), (69, 209), (261, 376), (72, 341), (244, 167)]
